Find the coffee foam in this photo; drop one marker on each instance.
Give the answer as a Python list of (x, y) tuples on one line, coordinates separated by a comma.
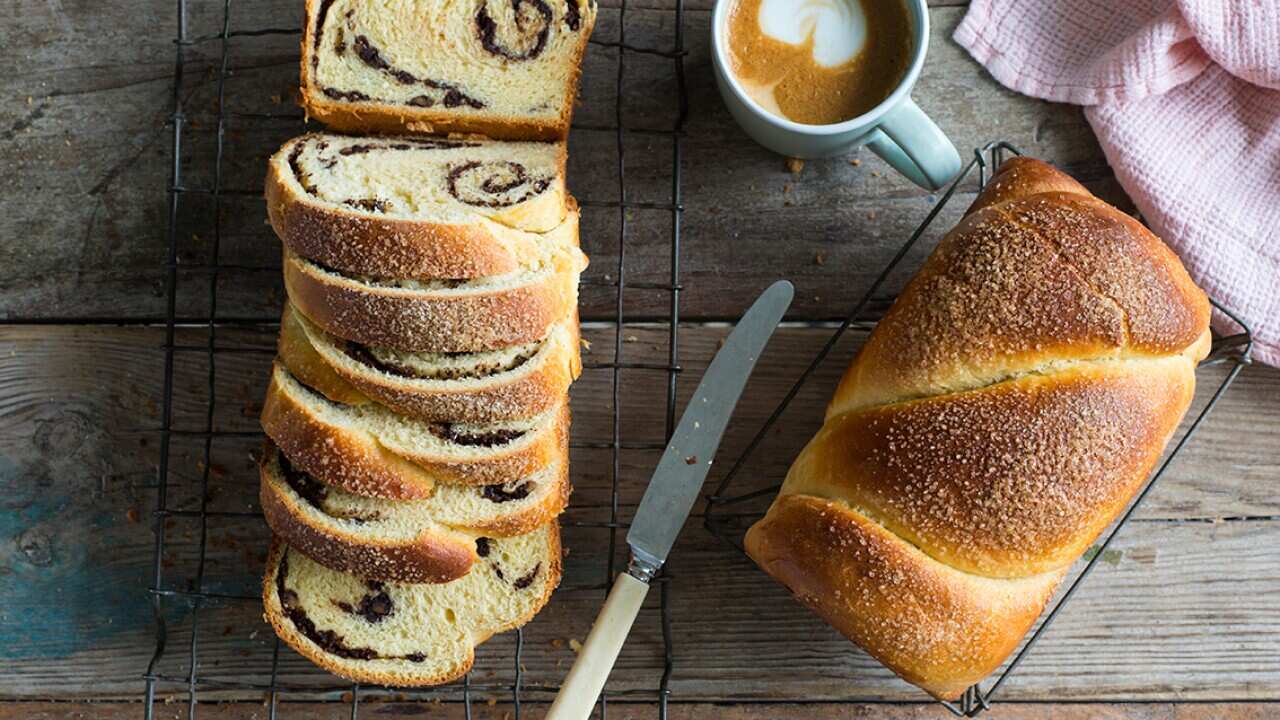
[(818, 62), (837, 27)]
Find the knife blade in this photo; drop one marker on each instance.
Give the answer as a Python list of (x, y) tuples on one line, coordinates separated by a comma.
[(677, 480), (667, 501)]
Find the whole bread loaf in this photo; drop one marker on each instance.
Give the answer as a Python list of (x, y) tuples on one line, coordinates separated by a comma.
[(999, 417)]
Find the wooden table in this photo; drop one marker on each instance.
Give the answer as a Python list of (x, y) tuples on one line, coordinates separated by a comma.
[(1182, 618)]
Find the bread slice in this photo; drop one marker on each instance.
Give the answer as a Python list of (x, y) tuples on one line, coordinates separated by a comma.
[(300, 357), (438, 315), (512, 383), (418, 208), (408, 634), (429, 540), (503, 69), (370, 450)]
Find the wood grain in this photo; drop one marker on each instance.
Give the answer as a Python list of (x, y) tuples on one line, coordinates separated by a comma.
[(1184, 606)]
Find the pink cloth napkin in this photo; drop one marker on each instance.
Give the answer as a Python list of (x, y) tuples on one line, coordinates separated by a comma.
[(1184, 96)]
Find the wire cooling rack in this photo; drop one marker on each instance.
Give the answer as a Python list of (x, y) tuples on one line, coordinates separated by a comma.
[(729, 526), (194, 594)]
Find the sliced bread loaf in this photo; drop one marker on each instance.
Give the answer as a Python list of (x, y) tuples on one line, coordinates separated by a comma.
[(438, 315), (429, 540), (420, 208), (408, 634), (502, 68), (370, 450), (511, 383)]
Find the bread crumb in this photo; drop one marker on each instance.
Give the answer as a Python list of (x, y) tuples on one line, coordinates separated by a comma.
[(632, 338), (819, 259), (132, 515), (855, 162), (875, 173), (795, 165), (871, 214), (491, 702), (574, 645), (585, 343), (557, 643), (691, 460)]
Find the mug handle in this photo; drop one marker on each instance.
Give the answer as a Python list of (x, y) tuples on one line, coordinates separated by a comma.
[(913, 145)]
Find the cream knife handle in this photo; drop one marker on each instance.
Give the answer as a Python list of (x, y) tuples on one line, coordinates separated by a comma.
[(586, 678)]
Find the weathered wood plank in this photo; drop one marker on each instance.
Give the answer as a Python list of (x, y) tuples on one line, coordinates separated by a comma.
[(1167, 616), (95, 247), (502, 710)]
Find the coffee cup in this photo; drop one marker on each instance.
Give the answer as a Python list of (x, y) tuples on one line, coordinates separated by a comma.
[(896, 128)]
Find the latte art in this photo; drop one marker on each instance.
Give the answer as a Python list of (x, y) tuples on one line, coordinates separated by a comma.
[(838, 27), (818, 62)]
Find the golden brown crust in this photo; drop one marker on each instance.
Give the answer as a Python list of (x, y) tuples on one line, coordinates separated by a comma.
[(300, 356), (1020, 177), (383, 118), (937, 627), (429, 320), (349, 459), (437, 554), (386, 119), (1011, 480), (1163, 309), (1124, 261), (366, 244), (503, 396), (1020, 284), (353, 459)]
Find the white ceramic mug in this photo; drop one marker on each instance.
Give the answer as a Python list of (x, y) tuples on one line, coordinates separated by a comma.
[(897, 129)]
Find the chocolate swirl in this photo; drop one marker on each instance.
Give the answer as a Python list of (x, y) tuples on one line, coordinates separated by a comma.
[(491, 438), (499, 494), (447, 94), (315, 493), (524, 38), (364, 355), (328, 640), (494, 183), (373, 606)]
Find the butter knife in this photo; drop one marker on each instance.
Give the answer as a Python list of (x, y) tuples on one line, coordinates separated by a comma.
[(669, 498)]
